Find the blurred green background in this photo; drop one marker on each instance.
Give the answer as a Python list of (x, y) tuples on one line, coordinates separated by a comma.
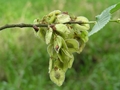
[(24, 59)]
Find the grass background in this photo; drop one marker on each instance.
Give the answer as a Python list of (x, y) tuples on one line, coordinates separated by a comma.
[(24, 59)]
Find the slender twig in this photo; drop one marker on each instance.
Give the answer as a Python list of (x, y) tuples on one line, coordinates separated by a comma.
[(23, 25), (80, 22), (117, 21)]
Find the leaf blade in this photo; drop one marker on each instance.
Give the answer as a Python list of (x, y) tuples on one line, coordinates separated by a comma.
[(117, 7), (104, 18)]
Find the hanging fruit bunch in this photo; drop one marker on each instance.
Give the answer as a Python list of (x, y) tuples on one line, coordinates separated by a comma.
[(62, 41)]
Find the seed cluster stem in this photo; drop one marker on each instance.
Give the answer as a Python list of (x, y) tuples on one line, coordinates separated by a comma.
[(24, 25)]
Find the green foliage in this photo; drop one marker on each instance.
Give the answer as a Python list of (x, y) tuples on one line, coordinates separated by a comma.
[(104, 18), (117, 7)]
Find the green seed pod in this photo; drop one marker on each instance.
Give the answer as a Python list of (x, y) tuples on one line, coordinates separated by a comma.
[(71, 60), (64, 55), (57, 63), (62, 18), (41, 33), (66, 58), (36, 21), (50, 65), (62, 40), (62, 30), (57, 76), (71, 34), (50, 49), (57, 43), (72, 44), (77, 29), (84, 36), (48, 35), (82, 45), (64, 45), (83, 19), (51, 19), (55, 12)]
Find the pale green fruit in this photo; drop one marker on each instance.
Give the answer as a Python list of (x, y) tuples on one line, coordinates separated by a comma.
[(51, 19), (48, 35), (62, 30), (64, 45), (61, 56), (62, 18), (64, 55), (50, 49), (62, 42), (57, 76), (50, 65), (82, 45), (57, 63), (57, 43), (55, 12), (83, 19), (36, 21), (77, 29), (71, 60), (52, 53), (84, 36), (41, 33), (71, 34), (66, 58), (72, 44)]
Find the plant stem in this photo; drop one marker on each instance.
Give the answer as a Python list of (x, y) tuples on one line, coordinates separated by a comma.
[(23, 25), (117, 21)]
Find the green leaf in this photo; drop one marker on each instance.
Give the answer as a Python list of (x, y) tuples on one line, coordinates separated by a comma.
[(117, 7), (104, 18)]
